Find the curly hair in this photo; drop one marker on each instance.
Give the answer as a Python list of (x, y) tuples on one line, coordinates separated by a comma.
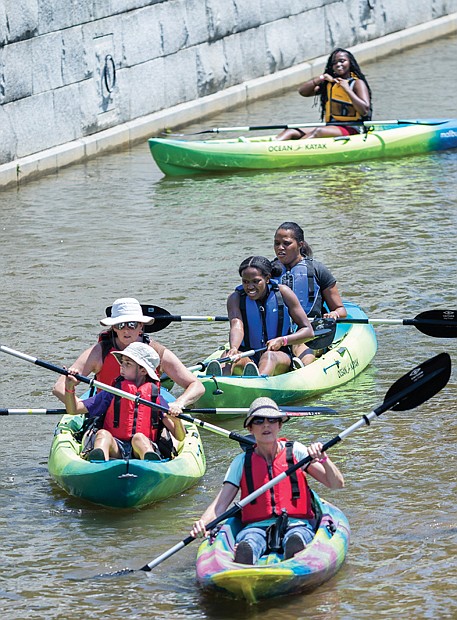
[(353, 68)]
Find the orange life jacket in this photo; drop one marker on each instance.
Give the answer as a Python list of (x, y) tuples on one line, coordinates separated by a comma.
[(339, 106), (125, 417), (292, 493)]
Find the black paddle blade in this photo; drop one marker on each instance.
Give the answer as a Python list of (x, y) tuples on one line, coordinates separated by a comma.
[(324, 330), (418, 385), (162, 318), (437, 323)]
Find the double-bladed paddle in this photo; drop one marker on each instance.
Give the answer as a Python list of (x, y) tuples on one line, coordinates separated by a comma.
[(408, 392), (324, 329), (291, 411), (113, 390), (298, 125), (436, 323)]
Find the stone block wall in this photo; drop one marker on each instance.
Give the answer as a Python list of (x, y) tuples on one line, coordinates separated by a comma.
[(73, 68)]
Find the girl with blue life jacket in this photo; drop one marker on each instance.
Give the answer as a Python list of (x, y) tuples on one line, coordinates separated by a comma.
[(345, 97), (129, 428), (260, 313), (287, 505), (310, 280), (125, 326)]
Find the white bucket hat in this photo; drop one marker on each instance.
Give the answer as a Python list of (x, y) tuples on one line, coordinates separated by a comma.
[(125, 310), (143, 355), (263, 407)]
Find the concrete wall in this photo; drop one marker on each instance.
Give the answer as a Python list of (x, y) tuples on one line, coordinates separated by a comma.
[(81, 76)]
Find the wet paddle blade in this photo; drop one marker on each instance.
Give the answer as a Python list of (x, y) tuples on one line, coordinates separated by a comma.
[(162, 318), (418, 385), (324, 330), (437, 323)]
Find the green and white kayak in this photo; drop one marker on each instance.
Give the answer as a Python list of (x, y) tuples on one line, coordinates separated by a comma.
[(119, 483), (352, 350), (384, 139)]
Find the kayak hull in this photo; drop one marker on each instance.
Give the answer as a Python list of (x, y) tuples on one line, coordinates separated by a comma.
[(351, 352), (120, 483), (189, 157), (273, 576)]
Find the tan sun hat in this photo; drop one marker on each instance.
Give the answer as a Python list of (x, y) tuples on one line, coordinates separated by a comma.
[(125, 310), (143, 355), (264, 407)]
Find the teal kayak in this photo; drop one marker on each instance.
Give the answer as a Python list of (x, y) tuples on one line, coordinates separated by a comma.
[(352, 350), (120, 483), (384, 139), (272, 575)]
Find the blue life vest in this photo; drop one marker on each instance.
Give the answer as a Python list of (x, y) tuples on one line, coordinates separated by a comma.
[(302, 280), (263, 320)]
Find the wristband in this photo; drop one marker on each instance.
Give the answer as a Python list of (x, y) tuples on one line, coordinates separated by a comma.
[(69, 391), (285, 340), (323, 460)]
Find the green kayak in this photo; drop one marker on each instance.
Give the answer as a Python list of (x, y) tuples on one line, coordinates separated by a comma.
[(384, 139), (353, 348), (119, 483)]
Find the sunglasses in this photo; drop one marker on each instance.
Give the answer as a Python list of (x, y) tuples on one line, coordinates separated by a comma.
[(259, 421), (128, 324)]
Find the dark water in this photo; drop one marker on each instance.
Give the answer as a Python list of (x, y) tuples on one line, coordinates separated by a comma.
[(114, 227)]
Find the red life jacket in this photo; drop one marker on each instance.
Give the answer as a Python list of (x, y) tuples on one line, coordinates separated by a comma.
[(292, 493), (110, 369), (124, 417)]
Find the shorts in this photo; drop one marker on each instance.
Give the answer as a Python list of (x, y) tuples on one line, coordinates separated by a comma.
[(348, 131), (125, 448)]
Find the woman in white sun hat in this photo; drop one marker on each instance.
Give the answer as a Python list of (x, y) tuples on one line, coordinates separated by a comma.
[(126, 428), (125, 325)]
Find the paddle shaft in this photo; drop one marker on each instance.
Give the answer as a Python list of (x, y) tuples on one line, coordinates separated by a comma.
[(117, 392), (414, 322), (299, 125), (227, 359), (290, 411), (18, 411)]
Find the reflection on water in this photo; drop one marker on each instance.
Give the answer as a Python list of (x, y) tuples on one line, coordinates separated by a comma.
[(115, 226)]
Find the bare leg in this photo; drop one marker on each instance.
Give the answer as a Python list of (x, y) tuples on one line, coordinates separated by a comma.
[(293, 134), (140, 445), (304, 353), (238, 367), (105, 441), (323, 132), (274, 363)]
